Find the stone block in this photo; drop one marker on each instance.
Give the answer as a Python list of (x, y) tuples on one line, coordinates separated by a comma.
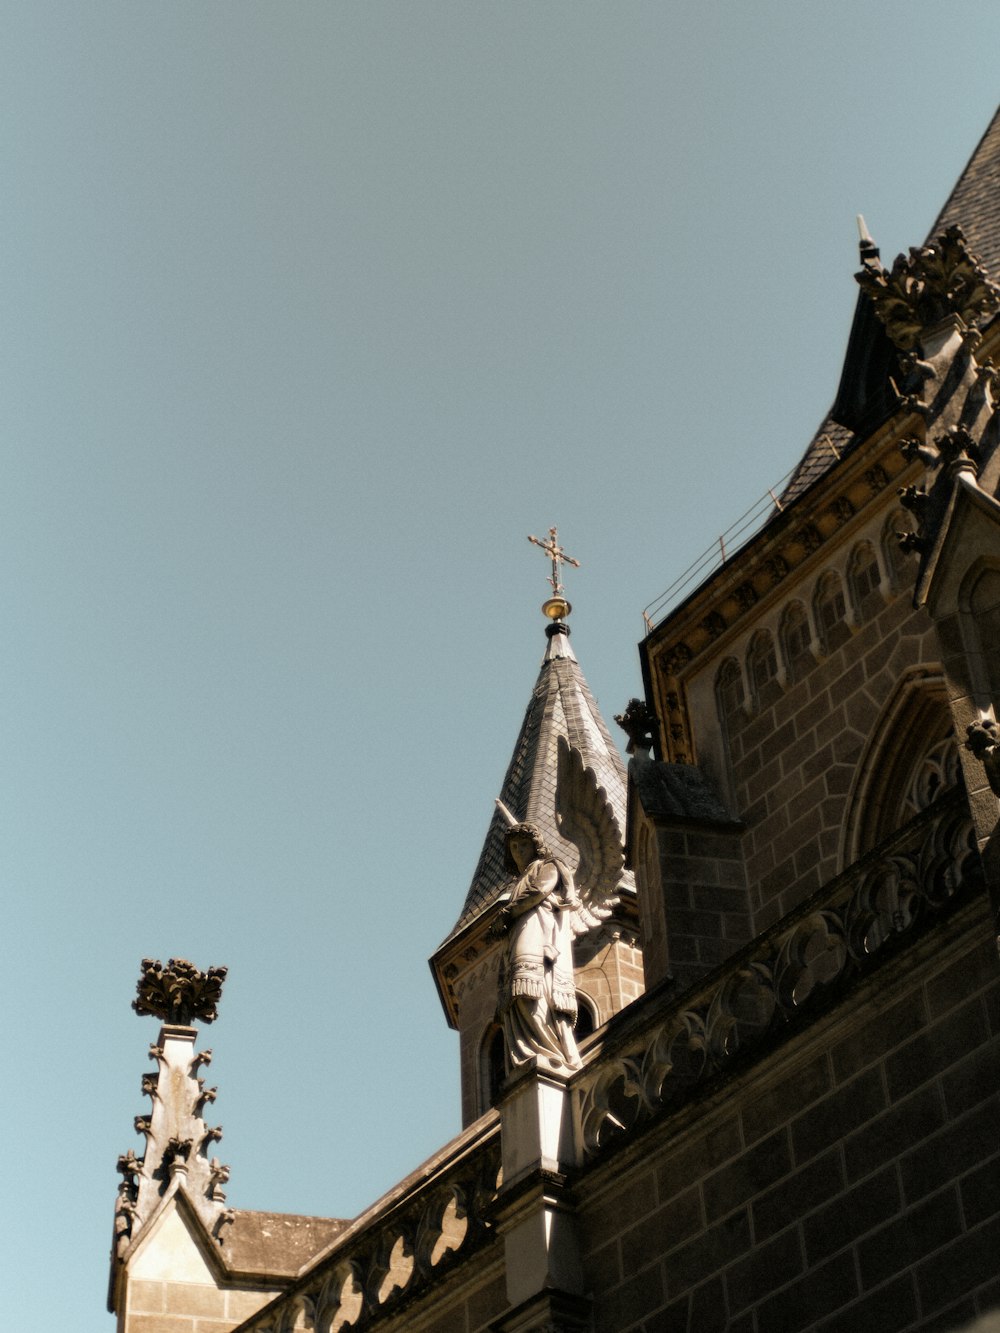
[(625, 1306), (980, 1192), (193, 1299), (890, 1309), (897, 1246), (961, 1034), (703, 1257), (703, 1309), (970, 1261), (797, 1194), (851, 1215), (804, 1303), (851, 1105), (768, 1266), (146, 1297), (161, 1323), (753, 1171), (957, 1148), (908, 1122), (964, 977), (671, 1225), (878, 1033)]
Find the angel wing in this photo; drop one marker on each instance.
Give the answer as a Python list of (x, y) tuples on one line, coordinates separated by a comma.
[(586, 819)]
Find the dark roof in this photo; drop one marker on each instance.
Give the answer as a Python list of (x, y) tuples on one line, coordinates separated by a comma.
[(561, 708), (974, 203), (677, 792)]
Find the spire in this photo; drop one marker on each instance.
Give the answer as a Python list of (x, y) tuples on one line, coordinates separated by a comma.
[(175, 1133), (565, 774)]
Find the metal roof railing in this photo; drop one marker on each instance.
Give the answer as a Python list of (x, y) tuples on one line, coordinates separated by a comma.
[(721, 550)]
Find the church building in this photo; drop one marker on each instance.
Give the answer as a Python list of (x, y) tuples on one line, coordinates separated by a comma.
[(729, 1019)]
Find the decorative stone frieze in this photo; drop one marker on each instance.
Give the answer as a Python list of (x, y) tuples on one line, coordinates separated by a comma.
[(769, 988), (380, 1264)]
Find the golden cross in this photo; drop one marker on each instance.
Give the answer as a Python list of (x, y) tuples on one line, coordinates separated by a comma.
[(558, 557)]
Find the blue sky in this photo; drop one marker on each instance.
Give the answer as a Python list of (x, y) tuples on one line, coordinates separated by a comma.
[(311, 313)]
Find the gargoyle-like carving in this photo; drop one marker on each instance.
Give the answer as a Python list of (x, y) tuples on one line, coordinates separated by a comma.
[(200, 1058), (149, 1082), (746, 596), (930, 283), (677, 659), (637, 722), (714, 624), (129, 1166), (218, 1176), (984, 742), (179, 992)]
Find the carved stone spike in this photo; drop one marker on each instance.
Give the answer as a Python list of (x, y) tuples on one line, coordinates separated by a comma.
[(914, 498), (178, 993), (957, 443), (129, 1166), (911, 543), (929, 284), (198, 1059)]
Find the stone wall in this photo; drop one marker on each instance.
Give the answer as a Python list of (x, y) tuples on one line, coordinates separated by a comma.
[(848, 1181)]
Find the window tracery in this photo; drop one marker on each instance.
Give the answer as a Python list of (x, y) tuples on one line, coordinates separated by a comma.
[(830, 609)]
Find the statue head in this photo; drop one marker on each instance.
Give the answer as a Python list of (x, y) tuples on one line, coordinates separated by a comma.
[(523, 831)]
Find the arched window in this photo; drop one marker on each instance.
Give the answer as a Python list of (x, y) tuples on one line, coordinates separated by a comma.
[(866, 580), (831, 612), (796, 641), (586, 1018), (492, 1066), (984, 609), (762, 669), (730, 696), (911, 760)]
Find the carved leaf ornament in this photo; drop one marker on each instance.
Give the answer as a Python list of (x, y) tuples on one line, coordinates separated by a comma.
[(835, 939), (178, 993), (928, 284)]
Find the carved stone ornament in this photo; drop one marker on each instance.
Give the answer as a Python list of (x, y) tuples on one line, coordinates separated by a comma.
[(637, 722), (179, 993), (927, 285), (677, 659), (764, 992), (984, 742)]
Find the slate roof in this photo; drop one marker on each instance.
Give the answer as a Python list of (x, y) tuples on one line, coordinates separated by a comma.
[(974, 204), (277, 1245), (561, 706)]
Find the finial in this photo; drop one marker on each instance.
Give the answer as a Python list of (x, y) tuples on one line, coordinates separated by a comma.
[(866, 244), (556, 607), (178, 993)]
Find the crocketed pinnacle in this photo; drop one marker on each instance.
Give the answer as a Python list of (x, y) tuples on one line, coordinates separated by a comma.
[(564, 758)]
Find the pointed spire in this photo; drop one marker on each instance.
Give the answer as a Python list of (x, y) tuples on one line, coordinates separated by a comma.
[(869, 252), (565, 776)]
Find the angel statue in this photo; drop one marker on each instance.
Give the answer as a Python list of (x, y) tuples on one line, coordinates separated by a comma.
[(541, 914), (538, 994)]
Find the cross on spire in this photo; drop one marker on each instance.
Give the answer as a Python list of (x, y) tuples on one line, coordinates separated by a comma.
[(556, 607), (558, 557)]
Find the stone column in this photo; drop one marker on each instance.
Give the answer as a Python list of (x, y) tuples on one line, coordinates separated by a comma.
[(536, 1213)]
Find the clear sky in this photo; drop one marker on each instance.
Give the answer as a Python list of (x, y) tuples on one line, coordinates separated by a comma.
[(310, 314)]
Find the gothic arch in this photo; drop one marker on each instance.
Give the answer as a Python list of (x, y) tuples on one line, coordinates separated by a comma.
[(762, 669), (796, 641), (830, 612), (864, 576), (910, 759), (492, 1066), (979, 612)]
